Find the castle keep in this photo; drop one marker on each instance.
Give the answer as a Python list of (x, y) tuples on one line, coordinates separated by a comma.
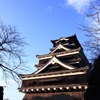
[(61, 74)]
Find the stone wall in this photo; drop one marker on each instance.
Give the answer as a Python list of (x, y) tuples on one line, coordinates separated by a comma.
[(78, 95), (1, 93)]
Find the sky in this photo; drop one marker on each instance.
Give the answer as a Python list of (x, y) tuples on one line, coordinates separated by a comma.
[(39, 22)]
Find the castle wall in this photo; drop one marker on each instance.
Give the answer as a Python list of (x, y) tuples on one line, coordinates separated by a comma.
[(76, 95)]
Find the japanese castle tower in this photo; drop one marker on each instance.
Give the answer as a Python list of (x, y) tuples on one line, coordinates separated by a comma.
[(61, 74)]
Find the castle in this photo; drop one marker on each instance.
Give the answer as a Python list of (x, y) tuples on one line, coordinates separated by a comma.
[(61, 74)]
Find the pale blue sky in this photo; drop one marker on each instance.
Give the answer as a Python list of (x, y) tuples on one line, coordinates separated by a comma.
[(41, 21)]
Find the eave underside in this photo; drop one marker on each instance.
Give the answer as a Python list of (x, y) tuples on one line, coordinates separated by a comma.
[(59, 54), (57, 88), (55, 74)]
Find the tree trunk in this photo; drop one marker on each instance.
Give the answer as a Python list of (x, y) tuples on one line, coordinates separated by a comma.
[(1, 93)]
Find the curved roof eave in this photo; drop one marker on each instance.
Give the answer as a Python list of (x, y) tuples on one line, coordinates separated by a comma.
[(54, 60)]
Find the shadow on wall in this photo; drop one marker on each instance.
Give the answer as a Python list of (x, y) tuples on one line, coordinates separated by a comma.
[(55, 97)]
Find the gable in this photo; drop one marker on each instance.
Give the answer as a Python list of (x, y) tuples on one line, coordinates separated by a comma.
[(60, 47), (53, 68), (53, 61)]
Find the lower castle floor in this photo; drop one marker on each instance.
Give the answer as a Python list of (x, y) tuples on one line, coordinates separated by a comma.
[(75, 95)]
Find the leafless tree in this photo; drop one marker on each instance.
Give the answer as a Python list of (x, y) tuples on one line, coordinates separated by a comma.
[(92, 29), (11, 52)]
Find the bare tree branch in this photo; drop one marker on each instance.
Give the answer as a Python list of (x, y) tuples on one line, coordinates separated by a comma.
[(92, 30), (11, 52)]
